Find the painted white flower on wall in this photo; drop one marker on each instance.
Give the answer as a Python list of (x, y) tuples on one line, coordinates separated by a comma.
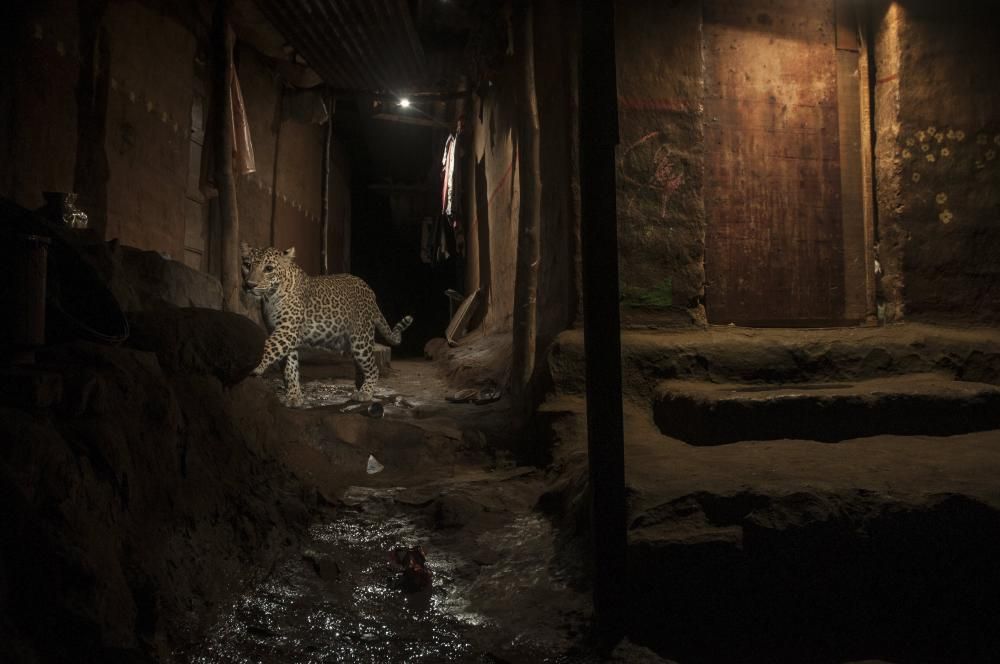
[(959, 135), (951, 134), (945, 152), (941, 198), (921, 136), (925, 147), (910, 142), (907, 154), (915, 177), (946, 217), (939, 137), (931, 157), (932, 130)]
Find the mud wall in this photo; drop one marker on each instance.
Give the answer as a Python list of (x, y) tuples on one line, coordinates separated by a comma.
[(661, 213), (938, 128), (38, 112), (280, 203), (112, 100), (148, 127), (138, 497)]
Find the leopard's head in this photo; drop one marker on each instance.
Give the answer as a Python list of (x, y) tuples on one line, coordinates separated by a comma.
[(265, 269)]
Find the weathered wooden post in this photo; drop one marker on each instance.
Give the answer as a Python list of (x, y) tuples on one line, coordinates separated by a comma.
[(528, 240), (598, 137), (325, 188)]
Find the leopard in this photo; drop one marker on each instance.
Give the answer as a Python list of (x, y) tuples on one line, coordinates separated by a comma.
[(335, 312)]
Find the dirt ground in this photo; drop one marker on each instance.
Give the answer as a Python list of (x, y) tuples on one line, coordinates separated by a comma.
[(502, 589), (765, 551)]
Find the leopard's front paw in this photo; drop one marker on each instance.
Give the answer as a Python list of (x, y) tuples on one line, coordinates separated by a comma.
[(294, 401), (362, 396)]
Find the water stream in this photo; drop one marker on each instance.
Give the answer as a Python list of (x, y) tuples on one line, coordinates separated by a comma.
[(497, 595)]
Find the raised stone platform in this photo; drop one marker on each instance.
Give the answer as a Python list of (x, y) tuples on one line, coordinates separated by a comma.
[(782, 356), (702, 413), (794, 550)]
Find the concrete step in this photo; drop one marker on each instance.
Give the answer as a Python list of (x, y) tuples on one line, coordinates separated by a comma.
[(703, 413), (734, 354)]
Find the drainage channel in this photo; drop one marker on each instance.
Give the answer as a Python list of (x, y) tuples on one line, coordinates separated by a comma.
[(496, 595)]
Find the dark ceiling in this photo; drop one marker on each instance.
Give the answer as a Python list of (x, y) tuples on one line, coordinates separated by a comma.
[(379, 46)]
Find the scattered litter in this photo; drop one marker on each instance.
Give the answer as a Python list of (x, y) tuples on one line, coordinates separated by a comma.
[(375, 409), (484, 395), (351, 409), (463, 396), (412, 562), (373, 465), (460, 317), (487, 395), (400, 402)]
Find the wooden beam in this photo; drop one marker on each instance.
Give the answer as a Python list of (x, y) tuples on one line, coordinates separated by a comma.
[(408, 119), (324, 203), (528, 250), (601, 317)]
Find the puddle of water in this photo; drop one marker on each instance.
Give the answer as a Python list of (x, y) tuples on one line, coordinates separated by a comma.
[(517, 609)]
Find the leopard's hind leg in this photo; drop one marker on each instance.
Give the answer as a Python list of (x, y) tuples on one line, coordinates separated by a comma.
[(363, 350)]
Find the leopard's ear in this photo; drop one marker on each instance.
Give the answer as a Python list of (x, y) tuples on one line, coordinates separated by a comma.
[(244, 249), (290, 252)]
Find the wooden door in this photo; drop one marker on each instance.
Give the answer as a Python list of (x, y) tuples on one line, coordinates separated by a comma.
[(774, 238)]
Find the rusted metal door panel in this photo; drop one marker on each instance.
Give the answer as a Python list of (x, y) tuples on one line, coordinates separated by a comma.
[(774, 244)]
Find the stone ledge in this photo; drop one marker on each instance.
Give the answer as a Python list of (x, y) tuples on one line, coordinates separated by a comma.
[(735, 354), (701, 413)]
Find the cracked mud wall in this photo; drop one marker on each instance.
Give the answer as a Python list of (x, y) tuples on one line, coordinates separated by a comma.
[(937, 107), (661, 212)]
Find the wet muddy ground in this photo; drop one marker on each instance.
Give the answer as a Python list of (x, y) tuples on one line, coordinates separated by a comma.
[(500, 589), (498, 594)]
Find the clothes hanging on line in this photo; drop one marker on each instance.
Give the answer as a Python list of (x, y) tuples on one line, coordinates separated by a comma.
[(437, 241), (448, 175)]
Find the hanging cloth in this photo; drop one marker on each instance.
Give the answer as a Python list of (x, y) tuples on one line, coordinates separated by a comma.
[(243, 160), (448, 175)]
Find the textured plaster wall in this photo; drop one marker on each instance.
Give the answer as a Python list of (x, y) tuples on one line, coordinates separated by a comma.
[(661, 214), (39, 70), (290, 187), (254, 192), (938, 112), (155, 73), (148, 127), (297, 219)]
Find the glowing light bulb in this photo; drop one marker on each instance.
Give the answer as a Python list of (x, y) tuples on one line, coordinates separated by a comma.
[(404, 102)]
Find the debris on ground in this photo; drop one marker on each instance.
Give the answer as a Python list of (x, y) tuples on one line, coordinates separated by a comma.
[(412, 563), (373, 465)]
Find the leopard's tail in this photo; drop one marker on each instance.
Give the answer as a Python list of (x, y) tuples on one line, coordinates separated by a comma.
[(393, 335)]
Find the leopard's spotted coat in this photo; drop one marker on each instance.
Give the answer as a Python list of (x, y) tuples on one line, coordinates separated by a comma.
[(335, 312)]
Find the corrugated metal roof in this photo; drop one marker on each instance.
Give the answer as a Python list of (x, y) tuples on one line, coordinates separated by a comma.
[(364, 45)]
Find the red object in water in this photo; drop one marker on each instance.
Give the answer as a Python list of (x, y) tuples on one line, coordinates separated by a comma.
[(412, 561)]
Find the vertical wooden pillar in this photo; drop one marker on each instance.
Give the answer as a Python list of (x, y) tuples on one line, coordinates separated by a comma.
[(222, 43), (601, 317), (528, 249), (325, 189)]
